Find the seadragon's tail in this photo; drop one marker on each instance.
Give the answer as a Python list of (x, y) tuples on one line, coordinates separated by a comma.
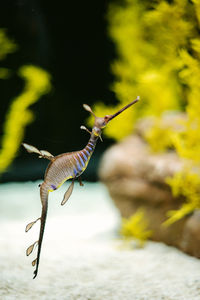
[(44, 200)]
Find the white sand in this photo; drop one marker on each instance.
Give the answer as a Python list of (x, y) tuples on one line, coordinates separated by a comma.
[(81, 258)]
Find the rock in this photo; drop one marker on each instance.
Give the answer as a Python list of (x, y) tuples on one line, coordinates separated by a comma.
[(136, 177), (190, 242)]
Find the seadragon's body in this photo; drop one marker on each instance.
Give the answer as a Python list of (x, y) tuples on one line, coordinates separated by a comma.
[(63, 167), (68, 165)]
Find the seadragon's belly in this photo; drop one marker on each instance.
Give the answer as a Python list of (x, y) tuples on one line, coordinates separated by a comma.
[(64, 167)]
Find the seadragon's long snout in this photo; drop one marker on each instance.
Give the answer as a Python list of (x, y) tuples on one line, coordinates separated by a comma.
[(110, 117)]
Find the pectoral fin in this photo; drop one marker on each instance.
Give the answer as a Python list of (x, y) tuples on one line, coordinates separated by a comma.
[(80, 181), (100, 138), (68, 193)]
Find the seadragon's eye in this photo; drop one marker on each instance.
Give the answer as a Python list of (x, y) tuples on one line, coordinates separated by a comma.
[(105, 121), (106, 118)]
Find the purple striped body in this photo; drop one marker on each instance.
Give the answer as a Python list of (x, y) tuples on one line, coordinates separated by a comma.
[(66, 166), (61, 168)]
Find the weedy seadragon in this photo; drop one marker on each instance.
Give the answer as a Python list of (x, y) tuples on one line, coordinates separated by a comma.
[(62, 167)]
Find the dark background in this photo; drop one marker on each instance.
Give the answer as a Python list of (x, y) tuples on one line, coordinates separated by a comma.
[(70, 40)]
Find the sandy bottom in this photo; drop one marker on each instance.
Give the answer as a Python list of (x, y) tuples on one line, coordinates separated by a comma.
[(82, 259)]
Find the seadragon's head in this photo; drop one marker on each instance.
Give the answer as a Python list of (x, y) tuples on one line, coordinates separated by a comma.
[(100, 123)]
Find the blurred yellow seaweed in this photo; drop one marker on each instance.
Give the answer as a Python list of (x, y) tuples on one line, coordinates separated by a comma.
[(5, 73), (147, 37), (136, 227), (7, 45), (37, 83), (158, 57), (187, 184)]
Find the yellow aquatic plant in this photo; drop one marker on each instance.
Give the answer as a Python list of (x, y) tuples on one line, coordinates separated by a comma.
[(37, 83), (7, 45), (5, 73), (136, 227), (187, 144), (187, 184), (158, 57), (147, 39)]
